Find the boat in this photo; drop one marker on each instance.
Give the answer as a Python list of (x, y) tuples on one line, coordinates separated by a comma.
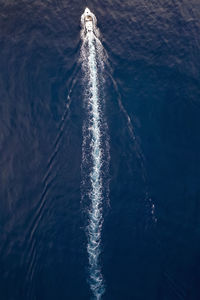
[(88, 20)]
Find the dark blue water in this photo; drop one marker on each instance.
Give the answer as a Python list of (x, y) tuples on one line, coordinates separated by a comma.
[(151, 230)]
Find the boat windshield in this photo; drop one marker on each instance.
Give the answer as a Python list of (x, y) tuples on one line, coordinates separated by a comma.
[(88, 18)]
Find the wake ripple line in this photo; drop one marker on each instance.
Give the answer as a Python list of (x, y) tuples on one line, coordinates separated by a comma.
[(30, 250), (137, 148)]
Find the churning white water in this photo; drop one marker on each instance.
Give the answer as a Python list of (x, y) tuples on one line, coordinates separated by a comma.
[(95, 152)]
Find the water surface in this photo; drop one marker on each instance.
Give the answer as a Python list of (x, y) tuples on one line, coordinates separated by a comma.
[(150, 236)]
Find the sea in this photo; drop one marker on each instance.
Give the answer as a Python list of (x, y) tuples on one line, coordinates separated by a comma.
[(100, 150)]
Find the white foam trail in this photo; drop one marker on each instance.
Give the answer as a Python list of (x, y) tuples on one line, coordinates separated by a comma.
[(93, 150)]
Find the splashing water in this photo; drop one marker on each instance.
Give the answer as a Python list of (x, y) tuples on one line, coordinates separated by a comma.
[(95, 149)]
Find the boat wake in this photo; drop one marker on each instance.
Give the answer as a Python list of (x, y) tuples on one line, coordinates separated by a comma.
[(95, 146)]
